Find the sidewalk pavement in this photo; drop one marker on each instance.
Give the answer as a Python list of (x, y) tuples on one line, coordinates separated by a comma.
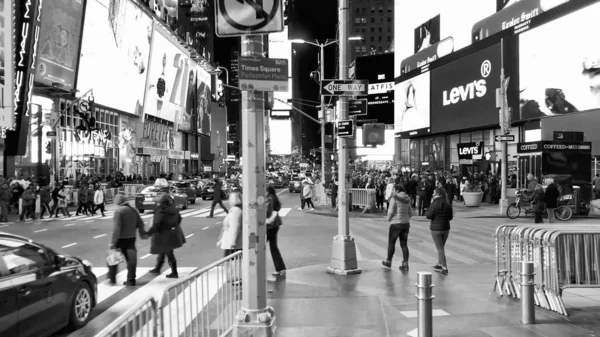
[(381, 302)]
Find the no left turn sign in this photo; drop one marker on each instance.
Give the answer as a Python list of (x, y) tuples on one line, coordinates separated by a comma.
[(247, 17)]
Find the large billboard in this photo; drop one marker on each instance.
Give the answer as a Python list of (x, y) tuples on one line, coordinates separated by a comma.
[(281, 48), (60, 39), (456, 19), (379, 71), (195, 25), (115, 52), (281, 136), (6, 64), (556, 81), (411, 112)]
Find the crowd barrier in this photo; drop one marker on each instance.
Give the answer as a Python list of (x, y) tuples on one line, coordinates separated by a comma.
[(364, 197), (204, 303), (564, 256), (320, 194)]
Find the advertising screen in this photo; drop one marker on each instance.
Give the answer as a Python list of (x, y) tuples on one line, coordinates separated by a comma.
[(6, 66), (195, 25), (379, 71), (168, 80), (411, 115), (281, 136), (203, 98), (58, 51), (115, 51), (456, 19), (560, 80), (281, 48)]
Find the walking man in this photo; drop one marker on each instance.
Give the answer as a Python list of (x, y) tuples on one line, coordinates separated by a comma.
[(218, 196), (5, 196)]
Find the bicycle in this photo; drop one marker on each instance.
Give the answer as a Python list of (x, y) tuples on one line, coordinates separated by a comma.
[(562, 212)]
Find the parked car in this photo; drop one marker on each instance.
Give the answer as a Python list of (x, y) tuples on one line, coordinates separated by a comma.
[(42, 291), (148, 198), (276, 183), (187, 188), (295, 185)]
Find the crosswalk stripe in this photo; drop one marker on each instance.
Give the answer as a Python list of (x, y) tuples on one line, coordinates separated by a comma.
[(191, 213), (284, 211), (105, 290), (218, 213)]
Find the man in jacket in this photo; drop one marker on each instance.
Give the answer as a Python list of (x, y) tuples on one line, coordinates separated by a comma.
[(5, 196), (334, 192), (126, 221), (91, 195), (218, 195), (28, 203), (411, 189), (82, 201), (45, 199), (99, 200)]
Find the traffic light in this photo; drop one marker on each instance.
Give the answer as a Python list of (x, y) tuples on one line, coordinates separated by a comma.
[(49, 148), (315, 76), (373, 134)]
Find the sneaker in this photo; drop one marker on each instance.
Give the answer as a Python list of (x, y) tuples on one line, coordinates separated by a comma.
[(404, 266), (155, 271), (387, 263), (173, 275), (312, 209), (278, 273), (129, 283), (443, 271), (437, 267)]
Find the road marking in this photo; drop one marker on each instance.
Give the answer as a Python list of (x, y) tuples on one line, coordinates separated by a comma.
[(69, 245), (69, 225), (284, 211), (191, 213), (145, 256), (189, 236), (89, 221), (205, 228), (282, 191), (434, 313), (220, 222), (40, 230), (99, 236), (2, 226)]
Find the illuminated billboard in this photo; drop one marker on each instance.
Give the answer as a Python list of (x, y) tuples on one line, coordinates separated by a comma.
[(281, 48), (281, 136)]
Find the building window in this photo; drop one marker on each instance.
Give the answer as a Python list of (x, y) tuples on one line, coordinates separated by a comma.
[(389, 9), (380, 29), (389, 19), (380, 19), (364, 20), (364, 30), (364, 10), (389, 38), (357, 10), (364, 49), (372, 38), (372, 9), (357, 20), (357, 49), (380, 38), (380, 9), (372, 19), (380, 49), (357, 30), (372, 29), (389, 28)]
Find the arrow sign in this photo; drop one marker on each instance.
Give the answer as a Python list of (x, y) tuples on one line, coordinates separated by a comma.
[(345, 88), (505, 138), (357, 107), (257, 5)]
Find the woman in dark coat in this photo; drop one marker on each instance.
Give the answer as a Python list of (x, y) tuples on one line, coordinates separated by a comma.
[(538, 203), (551, 195), (166, 235), (440, 213)]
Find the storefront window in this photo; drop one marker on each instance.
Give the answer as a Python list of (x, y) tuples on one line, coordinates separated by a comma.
[(465, 137)]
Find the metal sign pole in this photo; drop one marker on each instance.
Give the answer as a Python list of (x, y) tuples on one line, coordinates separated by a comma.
[(323, 148), (343, 253), (254, 318), (505, 127)]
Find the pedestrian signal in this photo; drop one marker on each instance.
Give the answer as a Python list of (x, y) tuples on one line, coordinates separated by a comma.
[(373, 134)]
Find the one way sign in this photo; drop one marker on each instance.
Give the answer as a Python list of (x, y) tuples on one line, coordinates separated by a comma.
[(345, 88)]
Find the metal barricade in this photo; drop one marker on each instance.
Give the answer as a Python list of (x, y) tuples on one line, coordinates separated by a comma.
[(141, 320), (564, 256), (363, 197), (205, 302)]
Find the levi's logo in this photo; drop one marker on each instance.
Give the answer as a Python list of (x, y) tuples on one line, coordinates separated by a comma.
[(473, 150), (475, 89)]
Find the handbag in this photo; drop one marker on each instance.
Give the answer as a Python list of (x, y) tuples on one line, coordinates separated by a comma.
[(114, 257)]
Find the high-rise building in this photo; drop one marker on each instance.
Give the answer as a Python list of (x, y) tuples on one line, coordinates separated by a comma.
[(374, 21)]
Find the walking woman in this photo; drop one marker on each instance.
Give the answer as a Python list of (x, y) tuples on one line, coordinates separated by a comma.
[(230, 239), (440, 213), (538, 203), (61, 202), (399, 214), (307, 193), (551, 197), (273, 224), (166, 235)]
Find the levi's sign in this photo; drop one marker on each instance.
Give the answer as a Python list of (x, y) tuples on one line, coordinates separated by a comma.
[(470, 151), (345, 88)]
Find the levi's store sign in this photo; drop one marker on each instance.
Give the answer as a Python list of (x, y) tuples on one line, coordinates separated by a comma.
[(470, 151), (27, 33)]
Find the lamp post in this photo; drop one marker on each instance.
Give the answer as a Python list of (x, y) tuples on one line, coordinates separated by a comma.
[(322, 78)]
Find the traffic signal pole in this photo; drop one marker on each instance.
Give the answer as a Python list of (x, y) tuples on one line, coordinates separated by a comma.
[(323, 147), (343, 252), (255, 318)]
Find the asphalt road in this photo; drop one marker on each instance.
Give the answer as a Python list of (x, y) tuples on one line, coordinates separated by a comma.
[(301, 242)]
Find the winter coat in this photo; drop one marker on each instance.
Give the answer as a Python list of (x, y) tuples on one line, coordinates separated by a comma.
[(45, 195), (82, 195), (411, 187), (400, 210), (28, 198), (440, 216), (99, 197), (231, 234), (273, 205), (166, 231), (218, 192), (5, 194), (551, 196), (91, 195), (126, 221), (307, 191), (538, 202)]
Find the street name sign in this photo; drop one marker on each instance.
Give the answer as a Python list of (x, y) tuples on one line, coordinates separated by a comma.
[(505, 138), (263, 74), (248, 17), (51, 134), (357, 107), (345, 128), (345, 88)]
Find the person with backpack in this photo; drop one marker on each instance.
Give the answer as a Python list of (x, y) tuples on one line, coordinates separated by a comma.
[(166, 235), (273, 224)]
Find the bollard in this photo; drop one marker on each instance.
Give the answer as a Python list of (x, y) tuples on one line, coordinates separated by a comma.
[(527, 293), (425, 304)]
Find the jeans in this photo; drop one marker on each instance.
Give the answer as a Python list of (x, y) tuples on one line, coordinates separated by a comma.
[(439, 238), (99, 207), (45, 207), (27, 212), (275, 253), (308, 202), (82, 208), (3, 211), (413, 200), (127, 247), (396, 232), (538, 217), (170, 255), (379, 201), (551, 215), (333, 199), (214, 203)]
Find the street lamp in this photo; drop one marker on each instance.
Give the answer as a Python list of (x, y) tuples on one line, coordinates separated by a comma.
[(322, 77)]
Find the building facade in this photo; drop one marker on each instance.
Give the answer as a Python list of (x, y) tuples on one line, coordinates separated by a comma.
[(374, 21)]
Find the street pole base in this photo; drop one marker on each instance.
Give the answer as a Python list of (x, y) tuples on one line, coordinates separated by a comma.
[(255, 323), (503, 203), (343, 256)]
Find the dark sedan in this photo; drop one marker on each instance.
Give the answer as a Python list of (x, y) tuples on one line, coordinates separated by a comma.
[(187, 188), (207, 191), (42, 291), (148, 198), (295, 185), (276, 183)]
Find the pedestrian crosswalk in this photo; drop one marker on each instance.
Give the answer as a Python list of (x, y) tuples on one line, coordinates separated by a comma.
[(218, 213), (470, 241), (188, 301)]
